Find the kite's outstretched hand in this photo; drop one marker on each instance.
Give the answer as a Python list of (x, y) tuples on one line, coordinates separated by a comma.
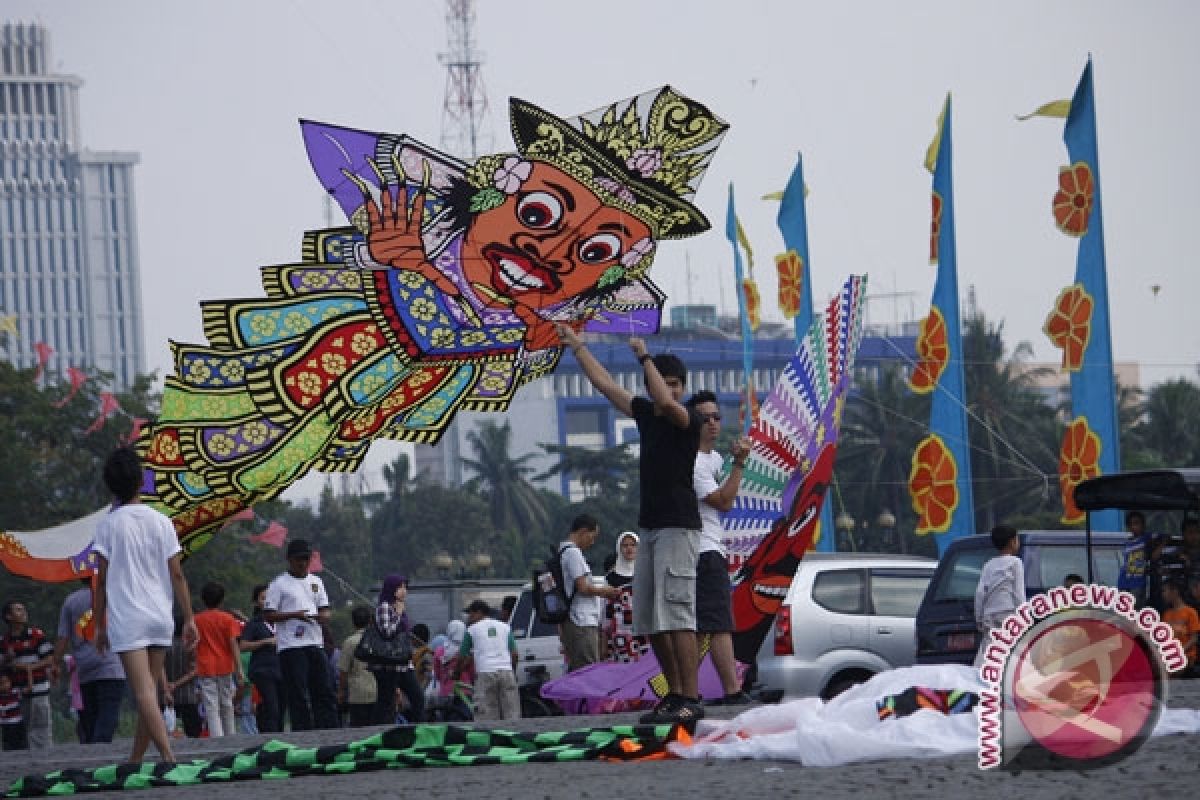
[(394, 236), (395, 232)]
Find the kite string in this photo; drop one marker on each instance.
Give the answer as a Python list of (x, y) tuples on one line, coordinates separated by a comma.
[(966, 409)]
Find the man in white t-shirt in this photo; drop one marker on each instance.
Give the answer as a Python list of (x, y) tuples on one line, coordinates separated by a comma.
[(490, 646), (297, 605), (580, 633), (715, 496)]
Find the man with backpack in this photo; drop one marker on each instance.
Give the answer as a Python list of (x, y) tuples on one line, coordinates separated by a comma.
[(580, 631)]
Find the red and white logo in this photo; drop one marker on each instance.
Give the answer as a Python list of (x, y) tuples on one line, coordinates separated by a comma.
[(1074, 679)]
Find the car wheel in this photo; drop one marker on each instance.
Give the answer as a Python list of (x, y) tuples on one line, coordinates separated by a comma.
[(843, 681)]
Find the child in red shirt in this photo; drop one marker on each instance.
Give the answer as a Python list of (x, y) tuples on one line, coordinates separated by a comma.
[(218, 668), (12, 723)]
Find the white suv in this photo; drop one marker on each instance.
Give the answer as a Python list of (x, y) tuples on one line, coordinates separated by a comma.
[(847, 616)]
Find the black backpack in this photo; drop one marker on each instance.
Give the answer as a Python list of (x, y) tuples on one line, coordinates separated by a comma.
[(551, 602)]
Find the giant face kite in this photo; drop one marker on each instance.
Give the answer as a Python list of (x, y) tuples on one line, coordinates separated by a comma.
[(441, 295)]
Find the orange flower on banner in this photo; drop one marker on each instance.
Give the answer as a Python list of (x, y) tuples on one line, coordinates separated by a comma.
[(933, 350), (753, 303), (1078, 460), (1074, 198), (791, 278), (933, 485), (935, 228), (1069, 325)]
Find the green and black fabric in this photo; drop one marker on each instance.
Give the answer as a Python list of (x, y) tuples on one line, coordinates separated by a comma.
[(417, 746)]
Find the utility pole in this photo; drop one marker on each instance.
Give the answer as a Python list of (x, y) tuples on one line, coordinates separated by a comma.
[(465, 106)]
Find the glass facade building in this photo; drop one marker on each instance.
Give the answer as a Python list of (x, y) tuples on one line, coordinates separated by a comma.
[(68, 238)]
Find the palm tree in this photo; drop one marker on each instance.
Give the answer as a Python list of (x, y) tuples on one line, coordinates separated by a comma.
[(1170, 425), (1013, 432), (881, 426), (602, 473), (514, 504)]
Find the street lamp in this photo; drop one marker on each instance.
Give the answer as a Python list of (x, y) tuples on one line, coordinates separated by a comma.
[(886, 521), (482, 563), (443, 563), (845, 528)]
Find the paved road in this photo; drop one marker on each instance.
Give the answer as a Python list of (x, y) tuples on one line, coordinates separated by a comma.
[(1165, 767)]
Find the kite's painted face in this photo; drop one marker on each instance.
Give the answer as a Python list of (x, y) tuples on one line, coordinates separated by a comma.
[(550, 241), (763, 581)]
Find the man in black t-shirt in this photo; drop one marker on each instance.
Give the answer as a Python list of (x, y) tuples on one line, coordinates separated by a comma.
[(664, 578)]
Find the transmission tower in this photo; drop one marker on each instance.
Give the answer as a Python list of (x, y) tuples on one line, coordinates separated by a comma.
[(465, 107)]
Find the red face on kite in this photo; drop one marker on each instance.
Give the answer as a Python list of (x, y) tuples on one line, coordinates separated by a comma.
[(762, 583), (549, 241)]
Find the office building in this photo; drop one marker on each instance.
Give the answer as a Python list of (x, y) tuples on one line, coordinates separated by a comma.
[(68, 238)]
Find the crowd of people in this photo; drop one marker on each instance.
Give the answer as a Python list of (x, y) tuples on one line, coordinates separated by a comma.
[(220, 672), (215, 672)]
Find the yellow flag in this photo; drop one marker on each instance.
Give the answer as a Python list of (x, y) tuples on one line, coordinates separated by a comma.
[(8, 324), (778, 196), (745, 242), (1055, 108), (931, 152)]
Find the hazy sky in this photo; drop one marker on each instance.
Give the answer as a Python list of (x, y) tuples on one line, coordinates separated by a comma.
[(209, 93)]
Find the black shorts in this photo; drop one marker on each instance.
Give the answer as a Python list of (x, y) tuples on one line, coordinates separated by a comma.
[(713, 614)]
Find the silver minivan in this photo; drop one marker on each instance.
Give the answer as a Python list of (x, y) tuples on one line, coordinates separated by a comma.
[(539, 651), (847, 616)]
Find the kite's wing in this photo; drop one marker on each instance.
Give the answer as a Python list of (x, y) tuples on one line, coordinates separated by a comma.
[(799, 416)]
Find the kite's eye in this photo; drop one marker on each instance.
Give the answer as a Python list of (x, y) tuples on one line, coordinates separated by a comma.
[(599, 248), (539, 210)]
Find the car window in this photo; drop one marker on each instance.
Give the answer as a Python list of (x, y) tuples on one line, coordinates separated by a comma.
[(958, 579), (840, 590), (519, 622), (1047, 565), (898, 592)]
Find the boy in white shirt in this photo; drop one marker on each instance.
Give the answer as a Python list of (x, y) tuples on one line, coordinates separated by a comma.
[(490, 647), (297, 604), (1001, 586)]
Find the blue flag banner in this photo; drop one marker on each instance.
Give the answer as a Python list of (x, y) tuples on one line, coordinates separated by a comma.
[(1079, 322), (793, 224), (795, 287), (940, 481), (744, 310)]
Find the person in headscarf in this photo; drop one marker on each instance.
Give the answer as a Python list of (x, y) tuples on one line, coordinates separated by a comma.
[(391, 619), (622, 572), (621, 644), (452, 696)]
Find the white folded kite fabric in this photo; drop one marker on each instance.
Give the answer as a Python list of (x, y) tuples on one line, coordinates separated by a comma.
[(847, 729)]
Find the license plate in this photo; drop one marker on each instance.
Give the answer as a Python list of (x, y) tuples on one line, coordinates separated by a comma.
[(960, 641)]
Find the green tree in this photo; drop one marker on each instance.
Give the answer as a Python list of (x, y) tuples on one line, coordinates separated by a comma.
[(50, 473), (1170, 424), (513, 502), (602, 473), (882, 423), (1013, 431)]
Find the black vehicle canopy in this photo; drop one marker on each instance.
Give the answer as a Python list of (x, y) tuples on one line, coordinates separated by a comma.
[(1148, 490)]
